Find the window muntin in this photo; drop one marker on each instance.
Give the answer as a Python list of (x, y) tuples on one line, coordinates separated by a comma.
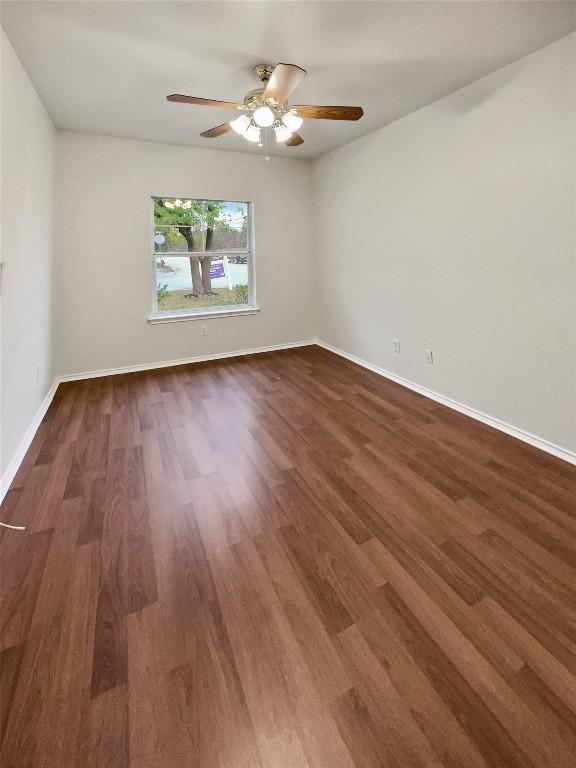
[(203, 257)]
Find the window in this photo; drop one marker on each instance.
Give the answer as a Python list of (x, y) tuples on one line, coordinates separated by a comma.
[(203, 258)]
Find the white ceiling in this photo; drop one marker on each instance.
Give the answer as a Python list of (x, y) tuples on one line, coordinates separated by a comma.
[(106, 67)]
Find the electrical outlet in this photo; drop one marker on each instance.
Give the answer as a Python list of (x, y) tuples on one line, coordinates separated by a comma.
[(429, 356), (204, 330), (396, 345)]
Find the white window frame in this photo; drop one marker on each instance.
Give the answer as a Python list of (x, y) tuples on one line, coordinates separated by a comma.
[(229, 310)]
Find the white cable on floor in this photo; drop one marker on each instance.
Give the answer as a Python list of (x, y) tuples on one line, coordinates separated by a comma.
[(13, 527)]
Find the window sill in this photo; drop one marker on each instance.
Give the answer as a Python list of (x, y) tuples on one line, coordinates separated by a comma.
[(179, 317)]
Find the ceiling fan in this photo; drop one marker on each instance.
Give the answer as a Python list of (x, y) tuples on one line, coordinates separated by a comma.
[(267, 107)]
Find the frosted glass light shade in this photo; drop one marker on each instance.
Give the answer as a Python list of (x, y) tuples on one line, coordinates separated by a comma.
[(282, 133), (252, 133), (240, 124), (292, 121), (263, 116)]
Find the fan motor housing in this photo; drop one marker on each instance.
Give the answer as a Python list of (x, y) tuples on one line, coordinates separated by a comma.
[(254, 98)]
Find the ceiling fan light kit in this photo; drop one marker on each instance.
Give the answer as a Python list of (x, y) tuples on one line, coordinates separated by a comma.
[(252, 133), (292, 121), (263, 116), (282, 133), (240, 125), (267, 107)]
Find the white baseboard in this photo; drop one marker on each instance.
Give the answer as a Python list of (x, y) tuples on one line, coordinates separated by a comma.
[(16, 460), (183, 361), (491, 421)]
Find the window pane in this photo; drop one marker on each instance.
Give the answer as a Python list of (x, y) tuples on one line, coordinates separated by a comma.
[(178, 278), (197, 225)]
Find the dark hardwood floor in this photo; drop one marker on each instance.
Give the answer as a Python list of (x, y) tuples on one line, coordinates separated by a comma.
[(284, 561)]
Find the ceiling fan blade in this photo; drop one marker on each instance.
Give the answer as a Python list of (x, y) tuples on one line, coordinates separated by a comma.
[(329, 113), (295, 140), (213, 133), (203, 102), (284, 79)]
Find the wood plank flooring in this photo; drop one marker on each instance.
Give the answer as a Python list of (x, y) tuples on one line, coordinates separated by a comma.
[(284, 561)]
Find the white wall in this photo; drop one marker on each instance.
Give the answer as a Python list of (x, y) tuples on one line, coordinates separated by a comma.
[(454, 229), (104, 220), (27, 155)]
